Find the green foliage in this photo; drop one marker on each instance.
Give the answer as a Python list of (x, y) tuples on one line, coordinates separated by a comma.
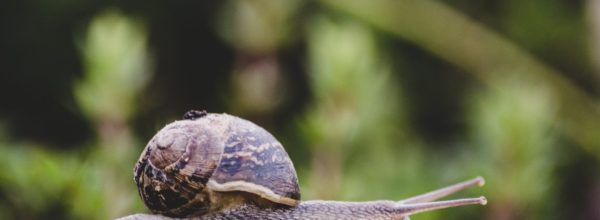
[(117, 66), (333, 80), (95, 184), (355, 105), (512, 126)]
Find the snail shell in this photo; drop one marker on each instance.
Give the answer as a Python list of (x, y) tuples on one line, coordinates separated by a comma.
[(208, 162)]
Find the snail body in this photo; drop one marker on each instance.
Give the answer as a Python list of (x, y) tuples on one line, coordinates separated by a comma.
[(218, 166)]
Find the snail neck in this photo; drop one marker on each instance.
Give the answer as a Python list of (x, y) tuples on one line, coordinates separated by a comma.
[(317, 209), (309, 210)]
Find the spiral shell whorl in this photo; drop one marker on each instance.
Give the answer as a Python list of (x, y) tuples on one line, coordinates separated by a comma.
[(176, 165)]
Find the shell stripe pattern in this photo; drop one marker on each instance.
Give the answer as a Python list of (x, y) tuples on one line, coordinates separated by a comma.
[(254, 161)]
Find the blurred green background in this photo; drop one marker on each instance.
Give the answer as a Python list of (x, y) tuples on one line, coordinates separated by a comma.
[(378, 99)]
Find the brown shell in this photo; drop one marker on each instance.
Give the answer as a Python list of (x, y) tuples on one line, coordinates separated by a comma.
[(188, 162)]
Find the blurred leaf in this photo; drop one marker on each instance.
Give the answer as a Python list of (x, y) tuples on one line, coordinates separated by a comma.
[(117, 66), (462, 41), (514, 129), (257, 26)]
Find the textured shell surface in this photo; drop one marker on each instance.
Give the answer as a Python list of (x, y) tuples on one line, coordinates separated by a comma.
[(188, 162)]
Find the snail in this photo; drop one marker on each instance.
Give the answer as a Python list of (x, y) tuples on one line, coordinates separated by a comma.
[(219, 166)]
